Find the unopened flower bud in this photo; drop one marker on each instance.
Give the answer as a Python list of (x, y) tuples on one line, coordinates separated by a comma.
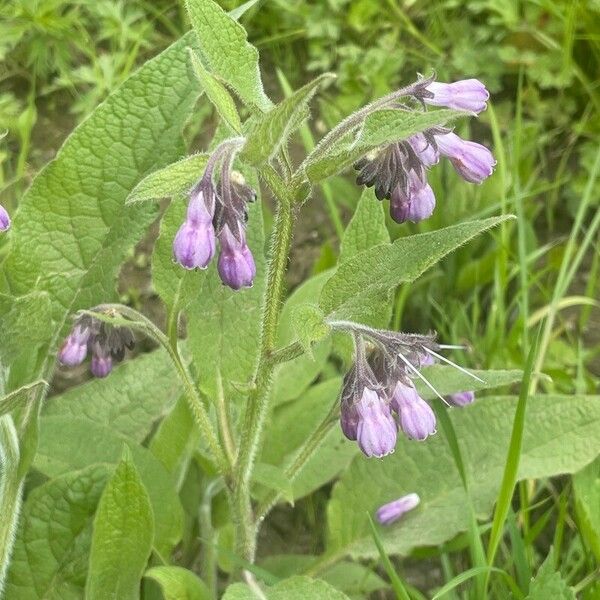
[(4, 219), (376, 432), (101, 364), (74, 348), (236, 264), (349, 420), (392, 511), (467, 94), (424, 150), (415, 206), (417, 420), (472, 161), (461, 398)]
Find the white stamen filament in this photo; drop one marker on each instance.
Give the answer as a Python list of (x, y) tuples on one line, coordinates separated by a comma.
[(447, 360), (420, 376)]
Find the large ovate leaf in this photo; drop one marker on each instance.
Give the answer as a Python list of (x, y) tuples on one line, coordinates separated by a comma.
[(295, 588), (224, 47), (269, 131), (560, 436), (379, 129), (68, 443), (178, 583), (72, 230), (50, 556), (360, 284), (136, 395), (586, 484), (122, 537)]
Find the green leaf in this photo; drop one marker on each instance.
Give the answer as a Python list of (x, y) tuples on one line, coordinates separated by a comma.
[(217, 94), (136, 395), (122, 538), (548, 583), (14, 399), (176, 286), (178, 583), (226, 52), (269, 131), (379, 128), (273, 478), (295, 588), (366, 228), (224, 325), (360, 284), (72, 230), (68, 443), (50, 557), (586, 484), (310, 326), (292, 378), (427, 468), (173, 180)]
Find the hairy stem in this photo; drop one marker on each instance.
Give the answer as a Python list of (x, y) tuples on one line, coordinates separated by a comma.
[(257, 406)]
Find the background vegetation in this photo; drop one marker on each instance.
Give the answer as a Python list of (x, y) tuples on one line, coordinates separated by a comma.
[(541, 61)]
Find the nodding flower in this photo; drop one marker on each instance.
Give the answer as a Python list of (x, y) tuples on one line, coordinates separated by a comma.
[(417, 420), (461, 398), (392, 511), (376, 430), (472, 161), (467, 94), (236, 264)]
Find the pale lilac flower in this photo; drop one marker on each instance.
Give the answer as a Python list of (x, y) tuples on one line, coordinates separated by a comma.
[(417, 419), (415, 206), (461, 398), (377, 430), (467, 94), (74, 348), (472, 161), (424, 149), (101, 364), (392, 511), (236, 264), (4, 219)]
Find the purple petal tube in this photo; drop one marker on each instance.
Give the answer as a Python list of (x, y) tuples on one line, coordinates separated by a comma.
[(349, 420), (461, 398), (425, 151), (4, 219), (101, 366), (467, 94), (376, 432), (236, 264), (472, 161), (399, 205), (392, 511), (417, 420), (417, 205), (74, 348)]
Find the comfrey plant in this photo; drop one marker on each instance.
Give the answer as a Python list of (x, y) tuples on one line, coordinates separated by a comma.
[(249, 349)]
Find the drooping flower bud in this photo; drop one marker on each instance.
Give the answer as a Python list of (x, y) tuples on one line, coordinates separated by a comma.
[(472, 161), (424, 149), (417, 420), (4, 219), (349, 420), (194, 243), (377, 431), (74, 348), (461, 398), (101, 364), (467, 94), (236, 264), (415, 206), (392, 511)]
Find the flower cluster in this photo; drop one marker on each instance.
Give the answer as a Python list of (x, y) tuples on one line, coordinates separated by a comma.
[(399, 171), (379, 396), (4, 219), (106, 343), (218, 212)]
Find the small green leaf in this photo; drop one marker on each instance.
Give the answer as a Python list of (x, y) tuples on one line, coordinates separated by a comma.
[(379, 128), (122, 538), (360, 284), (586, 484), (310, 326), (295, 588), (548, 583), (269, 131), (217, 94), (173, 180), (19, 396), (50, 557), (226, 52), (178, 583)]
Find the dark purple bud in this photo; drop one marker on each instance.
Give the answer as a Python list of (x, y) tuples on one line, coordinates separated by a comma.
[(349, 420), (4, 219), (472, 161), (74, 348), (377, 431), (236, 264), (461, 398), (392, 511), (467, 94), (424, 150), (417, 420), (101, 364)]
